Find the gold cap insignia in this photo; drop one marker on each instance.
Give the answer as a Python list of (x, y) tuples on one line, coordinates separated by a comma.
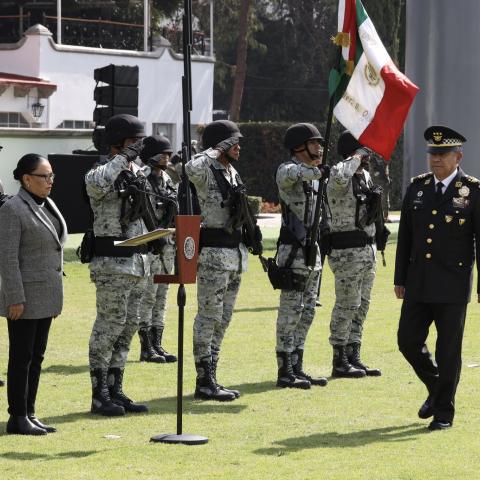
[(437, 136)]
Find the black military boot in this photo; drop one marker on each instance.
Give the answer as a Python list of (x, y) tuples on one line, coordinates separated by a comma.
[(286, 378), (101, 401), (206, 387), (297, 365), (156, 334), (341, 366), (147, 352), (214, 375), (115, 387), (353, 355)]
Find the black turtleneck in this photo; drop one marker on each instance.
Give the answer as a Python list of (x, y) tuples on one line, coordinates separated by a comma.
[(41, 202), (38, 200)]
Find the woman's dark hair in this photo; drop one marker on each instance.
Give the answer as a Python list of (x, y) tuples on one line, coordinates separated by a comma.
[(27, 164)]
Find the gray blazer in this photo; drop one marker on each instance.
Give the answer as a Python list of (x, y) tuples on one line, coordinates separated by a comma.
[(31, 258)]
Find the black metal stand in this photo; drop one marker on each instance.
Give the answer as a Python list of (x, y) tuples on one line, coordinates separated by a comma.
[(179, 437)]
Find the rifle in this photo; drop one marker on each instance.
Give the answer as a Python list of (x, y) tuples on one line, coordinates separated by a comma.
[(311, 247)]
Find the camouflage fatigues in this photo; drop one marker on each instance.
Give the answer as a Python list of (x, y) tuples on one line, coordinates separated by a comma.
[(154, 301), (354, 268), (297, 309), (219, 270), (119, 281)]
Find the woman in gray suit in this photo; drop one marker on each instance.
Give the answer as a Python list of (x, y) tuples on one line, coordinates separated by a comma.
[(32, 235)]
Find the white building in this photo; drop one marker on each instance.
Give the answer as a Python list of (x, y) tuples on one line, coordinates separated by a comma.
[(36, 71)]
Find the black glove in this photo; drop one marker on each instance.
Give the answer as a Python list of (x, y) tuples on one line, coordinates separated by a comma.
[(131, 152), (325, 169), (226, 145)]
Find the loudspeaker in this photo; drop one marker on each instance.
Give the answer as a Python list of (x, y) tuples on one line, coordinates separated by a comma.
[(69, 192)]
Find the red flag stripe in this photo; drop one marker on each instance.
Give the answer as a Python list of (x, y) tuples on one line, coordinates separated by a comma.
[(382, 133)]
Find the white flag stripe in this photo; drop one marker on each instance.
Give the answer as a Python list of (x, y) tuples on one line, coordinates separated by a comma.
[(359, 103), (373, 47)]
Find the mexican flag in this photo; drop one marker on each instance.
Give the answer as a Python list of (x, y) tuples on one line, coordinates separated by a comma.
[(372, 97)]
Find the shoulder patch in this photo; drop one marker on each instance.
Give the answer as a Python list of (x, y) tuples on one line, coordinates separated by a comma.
[(421, 177)]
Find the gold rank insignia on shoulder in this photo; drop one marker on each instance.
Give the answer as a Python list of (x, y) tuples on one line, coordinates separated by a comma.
[(472, 179), (420, 177), (427, 181)]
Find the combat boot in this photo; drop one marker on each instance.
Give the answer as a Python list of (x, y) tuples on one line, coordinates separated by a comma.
[(214, 375), (101, 401), (156, 334), (297, 365), (353, 353), (206, 387), (115, 387), (147, 353), (286, 378), (341, 366)]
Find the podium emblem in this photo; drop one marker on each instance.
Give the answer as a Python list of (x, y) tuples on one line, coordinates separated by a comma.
[(189, 248)]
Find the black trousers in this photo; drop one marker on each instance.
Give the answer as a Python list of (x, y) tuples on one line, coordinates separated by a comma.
[(442, 376), (28, 342)]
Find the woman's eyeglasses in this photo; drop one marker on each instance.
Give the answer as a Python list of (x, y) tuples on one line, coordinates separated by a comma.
[(48, 177)]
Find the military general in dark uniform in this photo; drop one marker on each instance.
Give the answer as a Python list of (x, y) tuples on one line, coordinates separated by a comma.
[(438, 235)]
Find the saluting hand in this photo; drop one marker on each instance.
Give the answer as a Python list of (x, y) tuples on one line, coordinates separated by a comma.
[(400, 291), (15, 311)]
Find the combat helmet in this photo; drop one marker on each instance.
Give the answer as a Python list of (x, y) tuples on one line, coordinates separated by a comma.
[(122, 126), (298, 135), (219, 130), (155, 145), (347, 144)]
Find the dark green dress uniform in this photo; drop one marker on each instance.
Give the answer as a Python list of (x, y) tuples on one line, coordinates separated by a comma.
[(437, 240)]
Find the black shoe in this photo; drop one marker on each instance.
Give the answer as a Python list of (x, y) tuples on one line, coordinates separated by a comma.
[(297, 366), (39, 424), (101, 401), (353, 356), (342, 368), (286, 377), (437, 424), (206, 387), (21, 425), (426, 410), (115, 389)]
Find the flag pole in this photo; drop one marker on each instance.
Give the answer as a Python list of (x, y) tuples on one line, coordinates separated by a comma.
[(311, 252)]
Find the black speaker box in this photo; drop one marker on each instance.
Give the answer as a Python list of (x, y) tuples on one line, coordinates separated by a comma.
[(68, 190)]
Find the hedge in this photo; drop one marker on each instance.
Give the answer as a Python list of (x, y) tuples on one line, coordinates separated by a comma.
[(263, 151)]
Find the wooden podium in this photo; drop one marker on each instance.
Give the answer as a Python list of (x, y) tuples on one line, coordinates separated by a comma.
[(187, 234)]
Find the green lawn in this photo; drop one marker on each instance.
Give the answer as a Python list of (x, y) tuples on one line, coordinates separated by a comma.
[(351, 429)]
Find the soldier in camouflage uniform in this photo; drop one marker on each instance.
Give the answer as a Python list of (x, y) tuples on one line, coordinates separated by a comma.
[(299, 184), (223, 256), (156, 154), (119, 273), (378, 170), (352, 258)]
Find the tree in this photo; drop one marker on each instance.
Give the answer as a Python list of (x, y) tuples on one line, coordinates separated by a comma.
[(241, 64)]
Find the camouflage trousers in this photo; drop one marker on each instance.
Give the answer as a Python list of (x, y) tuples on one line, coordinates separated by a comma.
[(296, 313), (154, 301), (216, 294), (118, 299), (354, 270)]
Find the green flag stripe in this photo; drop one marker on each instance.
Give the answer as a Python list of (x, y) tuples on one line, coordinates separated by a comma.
[(361, 13)]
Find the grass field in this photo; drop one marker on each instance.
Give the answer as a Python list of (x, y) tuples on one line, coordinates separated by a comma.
[(351, 429)]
